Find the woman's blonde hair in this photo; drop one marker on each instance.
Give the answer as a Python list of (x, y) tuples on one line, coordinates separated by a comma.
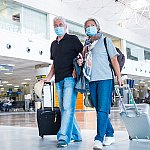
[(96, 22)]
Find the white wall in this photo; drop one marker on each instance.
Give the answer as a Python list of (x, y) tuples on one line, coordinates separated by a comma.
[(137, 68), (19, 43)]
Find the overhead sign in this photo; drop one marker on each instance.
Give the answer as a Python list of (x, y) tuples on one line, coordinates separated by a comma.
[(40, 77)]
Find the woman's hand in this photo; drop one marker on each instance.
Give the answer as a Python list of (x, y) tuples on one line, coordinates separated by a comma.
[(120, 83), (80, 59)]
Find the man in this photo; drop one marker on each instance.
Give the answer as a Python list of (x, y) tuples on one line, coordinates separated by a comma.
[(63, 50)]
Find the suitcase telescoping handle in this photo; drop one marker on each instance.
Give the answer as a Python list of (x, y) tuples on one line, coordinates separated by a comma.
[(51, 84), (121, 103)]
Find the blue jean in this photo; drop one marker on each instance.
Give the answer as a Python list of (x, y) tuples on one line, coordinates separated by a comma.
[(67, 96), (101, 95)]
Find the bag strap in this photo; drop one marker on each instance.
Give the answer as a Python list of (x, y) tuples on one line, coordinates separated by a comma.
[(105, 43), (110, 64)]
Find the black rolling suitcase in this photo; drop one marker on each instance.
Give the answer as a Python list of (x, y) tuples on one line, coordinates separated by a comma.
[(49, 118)]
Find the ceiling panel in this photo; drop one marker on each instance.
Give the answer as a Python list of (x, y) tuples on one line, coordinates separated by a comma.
[(23, 69), (118, 12)]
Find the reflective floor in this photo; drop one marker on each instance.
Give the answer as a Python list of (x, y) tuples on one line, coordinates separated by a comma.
[(18, 131)]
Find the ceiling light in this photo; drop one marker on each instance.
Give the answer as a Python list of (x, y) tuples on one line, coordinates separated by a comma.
[(9, 84), (11, 65), (148, 81), (1, 85), (24, 83), (4, 82), (8, 73), (16, 86), (142, 82), (27, 79)]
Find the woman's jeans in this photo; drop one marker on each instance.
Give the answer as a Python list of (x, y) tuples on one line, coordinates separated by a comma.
[(69, 129), (101, 95)]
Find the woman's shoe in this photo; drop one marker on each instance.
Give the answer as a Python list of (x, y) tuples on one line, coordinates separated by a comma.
[(97, 145), (108, 141)]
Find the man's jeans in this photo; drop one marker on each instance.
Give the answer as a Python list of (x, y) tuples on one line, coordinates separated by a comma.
[(101, 95), (69, 129)]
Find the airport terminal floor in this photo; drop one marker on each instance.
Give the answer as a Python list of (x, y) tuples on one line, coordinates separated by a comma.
[(18, 131)]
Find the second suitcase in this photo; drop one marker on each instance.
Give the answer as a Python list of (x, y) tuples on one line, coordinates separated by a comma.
[(136, 118)]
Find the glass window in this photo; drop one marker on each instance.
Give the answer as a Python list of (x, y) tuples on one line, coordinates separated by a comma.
[(34, 23), (134, 52), (17, 18), (147, 54), (10, 16), (76, 29), (130, 56)]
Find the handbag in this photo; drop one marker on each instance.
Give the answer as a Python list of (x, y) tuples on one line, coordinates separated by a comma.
[(88, 100)]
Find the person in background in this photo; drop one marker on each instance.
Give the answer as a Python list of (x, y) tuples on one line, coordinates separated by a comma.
[(63, 50), (101, 80)]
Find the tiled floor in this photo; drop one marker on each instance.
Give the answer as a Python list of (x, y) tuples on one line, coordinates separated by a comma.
[(18, 131)]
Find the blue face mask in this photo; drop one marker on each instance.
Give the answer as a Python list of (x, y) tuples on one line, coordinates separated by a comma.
[(59, 31), (91, 31)]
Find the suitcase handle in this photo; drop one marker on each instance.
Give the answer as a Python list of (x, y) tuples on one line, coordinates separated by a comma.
[(49, 83), (121, 103), (51, 96)]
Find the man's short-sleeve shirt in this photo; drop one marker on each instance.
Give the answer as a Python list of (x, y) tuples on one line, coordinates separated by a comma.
[(63, 53)]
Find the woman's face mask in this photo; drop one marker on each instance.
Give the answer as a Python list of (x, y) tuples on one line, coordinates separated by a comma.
[(91, 31), (59, 31)]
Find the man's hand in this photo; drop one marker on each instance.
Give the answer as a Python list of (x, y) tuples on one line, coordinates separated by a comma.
[(45, 80), (74, 73)]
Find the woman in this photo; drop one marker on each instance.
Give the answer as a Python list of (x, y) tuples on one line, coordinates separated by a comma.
[(101, 80)]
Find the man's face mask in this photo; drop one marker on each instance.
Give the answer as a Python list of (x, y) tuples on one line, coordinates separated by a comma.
[(91, 31), (59, 31)]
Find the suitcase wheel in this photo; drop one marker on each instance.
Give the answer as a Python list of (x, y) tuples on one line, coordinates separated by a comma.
[(130, 138), (42, 136)]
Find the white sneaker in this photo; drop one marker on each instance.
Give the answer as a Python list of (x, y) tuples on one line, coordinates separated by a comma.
[(97, 145), (108, 141)]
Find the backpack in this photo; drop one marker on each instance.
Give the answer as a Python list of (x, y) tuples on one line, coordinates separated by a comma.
[(120, 57)]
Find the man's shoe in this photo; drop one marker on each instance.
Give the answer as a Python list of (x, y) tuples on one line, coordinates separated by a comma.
[(72, 141), (62, 144), (97, 145), (108, 141)]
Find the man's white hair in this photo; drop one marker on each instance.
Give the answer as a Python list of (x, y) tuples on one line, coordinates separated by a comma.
[(59, 18)]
